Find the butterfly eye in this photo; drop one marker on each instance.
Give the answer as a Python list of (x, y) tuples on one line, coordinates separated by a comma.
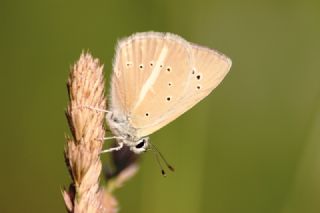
[(141, 144)]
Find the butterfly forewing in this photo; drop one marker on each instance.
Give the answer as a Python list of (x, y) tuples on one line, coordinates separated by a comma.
[(146, 82), (131, 71)]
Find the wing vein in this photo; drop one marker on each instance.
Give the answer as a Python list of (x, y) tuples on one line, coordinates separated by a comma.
[(153, 77)]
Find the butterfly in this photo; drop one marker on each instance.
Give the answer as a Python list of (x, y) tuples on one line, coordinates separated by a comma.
[(156, 78)]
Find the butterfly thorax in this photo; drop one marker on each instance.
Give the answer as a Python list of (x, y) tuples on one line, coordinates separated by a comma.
[(120, 126)]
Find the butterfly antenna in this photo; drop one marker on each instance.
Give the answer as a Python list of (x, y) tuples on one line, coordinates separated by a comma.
[(163, 158), (155, 154)]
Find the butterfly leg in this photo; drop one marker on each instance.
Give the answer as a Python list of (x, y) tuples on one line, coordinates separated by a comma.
[(113, 137), (117, 148), (109, 138), (97, 109)]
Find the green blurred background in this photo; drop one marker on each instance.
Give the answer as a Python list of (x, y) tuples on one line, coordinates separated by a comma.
[(252, 146)]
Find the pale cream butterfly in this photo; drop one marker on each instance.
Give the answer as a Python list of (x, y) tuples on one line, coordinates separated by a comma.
[(156, 78)]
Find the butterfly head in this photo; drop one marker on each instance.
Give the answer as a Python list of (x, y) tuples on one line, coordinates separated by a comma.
[(121, 127)]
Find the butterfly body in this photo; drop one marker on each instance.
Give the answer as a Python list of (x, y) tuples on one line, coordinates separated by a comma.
[(156, 78)]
